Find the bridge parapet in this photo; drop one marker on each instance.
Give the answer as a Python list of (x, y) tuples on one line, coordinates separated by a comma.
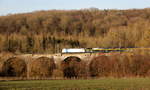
[(60, 57)]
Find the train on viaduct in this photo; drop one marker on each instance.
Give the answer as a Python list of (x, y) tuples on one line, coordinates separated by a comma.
[(83, 53)]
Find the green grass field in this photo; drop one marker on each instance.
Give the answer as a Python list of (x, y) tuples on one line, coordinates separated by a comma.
[(93, 84)]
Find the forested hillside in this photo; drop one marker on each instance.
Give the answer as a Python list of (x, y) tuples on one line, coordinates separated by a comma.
[(50, 31)]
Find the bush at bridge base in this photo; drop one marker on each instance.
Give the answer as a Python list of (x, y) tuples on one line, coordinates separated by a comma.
[(120, 66), (3, 57), (140, 65), (14, 67), (42, 67), (73, 67), (57, 73), (1, 64), (99, 66)]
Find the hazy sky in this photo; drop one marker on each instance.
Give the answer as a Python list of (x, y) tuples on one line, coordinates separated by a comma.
[(19, 6)]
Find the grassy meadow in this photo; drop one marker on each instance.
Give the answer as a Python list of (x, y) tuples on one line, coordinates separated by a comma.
[(90, 84)]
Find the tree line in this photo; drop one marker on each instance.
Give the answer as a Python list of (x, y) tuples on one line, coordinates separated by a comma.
[(50, 31)]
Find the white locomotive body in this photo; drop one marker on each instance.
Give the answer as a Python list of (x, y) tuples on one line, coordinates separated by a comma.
[(73, 50)]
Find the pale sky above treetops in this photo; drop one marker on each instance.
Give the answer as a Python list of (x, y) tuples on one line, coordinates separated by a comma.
[(21, 6)]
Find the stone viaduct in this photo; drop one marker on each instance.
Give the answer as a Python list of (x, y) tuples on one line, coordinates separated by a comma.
[(60, 57)]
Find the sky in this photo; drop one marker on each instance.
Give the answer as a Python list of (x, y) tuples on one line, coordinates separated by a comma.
[(23, 6)]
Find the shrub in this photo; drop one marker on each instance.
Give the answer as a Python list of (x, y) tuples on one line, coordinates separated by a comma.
[(14, 67), (57, 73), (42, 67), (1, 68), (99, 66), (120, 65), (140, 65)]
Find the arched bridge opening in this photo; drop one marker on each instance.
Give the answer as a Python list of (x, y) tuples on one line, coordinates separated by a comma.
[(71, 66)]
